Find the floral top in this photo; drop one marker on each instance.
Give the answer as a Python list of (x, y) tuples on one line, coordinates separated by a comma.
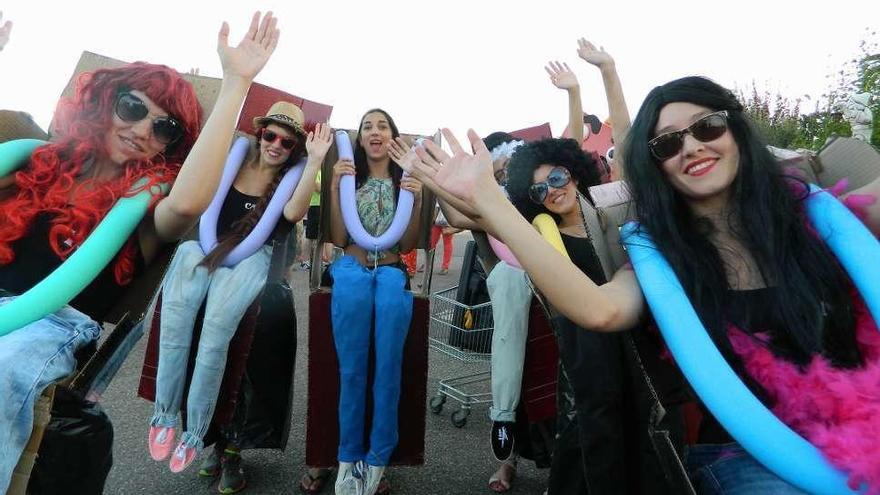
[(376, 205)]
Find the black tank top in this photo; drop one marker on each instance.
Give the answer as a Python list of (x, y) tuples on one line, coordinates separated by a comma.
[(751, 311), (236, 206), (35, 260), (582, 254)]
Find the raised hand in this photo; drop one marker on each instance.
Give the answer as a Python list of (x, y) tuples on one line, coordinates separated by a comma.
[(462, 174), (598, 57), (318, 142), (5, 30), (561, 75), (248, 58), (402, 153)]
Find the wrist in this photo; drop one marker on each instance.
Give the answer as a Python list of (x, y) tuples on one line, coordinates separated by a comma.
[(491, 197), (236, 83)]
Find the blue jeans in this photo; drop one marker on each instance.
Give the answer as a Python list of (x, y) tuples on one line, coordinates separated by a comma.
[(31, 358), (511, 298), (229, 293), (728, 469), (363, 300)]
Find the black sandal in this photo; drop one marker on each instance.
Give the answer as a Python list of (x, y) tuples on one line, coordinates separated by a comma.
[(311, 485)]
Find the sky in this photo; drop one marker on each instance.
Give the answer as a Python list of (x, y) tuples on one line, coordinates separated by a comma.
[(450, 63)]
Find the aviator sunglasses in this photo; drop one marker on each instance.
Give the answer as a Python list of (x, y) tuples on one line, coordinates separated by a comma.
[(130, 108), (708, 128), (271, 137), (557, 178)]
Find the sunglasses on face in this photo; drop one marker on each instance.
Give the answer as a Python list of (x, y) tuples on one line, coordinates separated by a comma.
[(130, 108), (557, 178), (708, 128), (271, 136)]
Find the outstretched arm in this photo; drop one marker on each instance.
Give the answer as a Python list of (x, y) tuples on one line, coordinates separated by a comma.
[(614, 306), (200, 174), (563, 78)]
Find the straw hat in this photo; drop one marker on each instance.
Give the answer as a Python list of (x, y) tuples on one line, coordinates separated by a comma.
[(284, 113)]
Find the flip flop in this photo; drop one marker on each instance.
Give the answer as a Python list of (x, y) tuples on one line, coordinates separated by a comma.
[(311, 485), (499, 485), (384, 486)]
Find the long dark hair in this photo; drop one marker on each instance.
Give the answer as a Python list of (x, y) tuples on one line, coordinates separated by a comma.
[(361, 167), (564, 153), (811, 305), (242, 227)]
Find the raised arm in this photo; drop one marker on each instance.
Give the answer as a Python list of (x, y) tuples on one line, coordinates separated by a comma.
[(200, 174), (614, 306), (5, 30), (617, 110), (563, 78), (317, 144)]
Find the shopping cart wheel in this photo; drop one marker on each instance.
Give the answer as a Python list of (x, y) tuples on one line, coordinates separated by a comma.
[(437, 403), (459, 418)]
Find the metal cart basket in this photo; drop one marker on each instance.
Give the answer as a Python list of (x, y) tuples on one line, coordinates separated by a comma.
[(464, 333)]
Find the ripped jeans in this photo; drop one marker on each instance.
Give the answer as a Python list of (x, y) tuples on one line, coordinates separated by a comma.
[(229, 291)]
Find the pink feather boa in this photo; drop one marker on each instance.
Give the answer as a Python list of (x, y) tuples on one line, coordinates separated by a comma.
[(837, 410)]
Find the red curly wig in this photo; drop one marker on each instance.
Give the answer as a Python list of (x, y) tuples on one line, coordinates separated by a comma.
[(83, 121)]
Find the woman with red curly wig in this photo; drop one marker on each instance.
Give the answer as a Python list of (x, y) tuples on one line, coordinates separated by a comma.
[(138, 124)]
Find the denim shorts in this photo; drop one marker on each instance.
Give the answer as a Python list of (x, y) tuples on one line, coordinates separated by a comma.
[(31, 358), (728, 469)]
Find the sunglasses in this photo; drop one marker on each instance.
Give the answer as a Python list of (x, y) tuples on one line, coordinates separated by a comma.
[(557, 178), (708, 128), (130, 108), (271, 136)]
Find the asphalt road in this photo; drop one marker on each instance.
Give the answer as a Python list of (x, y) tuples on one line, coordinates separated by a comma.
[(458, 460)]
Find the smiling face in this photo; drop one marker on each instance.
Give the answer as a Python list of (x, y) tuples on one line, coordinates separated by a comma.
[(701, 171), (274, 153), (375, 135), (126, 141), (562, 200)]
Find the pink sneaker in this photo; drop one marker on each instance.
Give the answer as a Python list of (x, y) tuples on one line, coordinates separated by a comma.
[(182, 458), (159, 442)]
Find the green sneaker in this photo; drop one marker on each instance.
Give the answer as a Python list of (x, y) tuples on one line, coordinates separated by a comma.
[(210, 467), (232, 475)]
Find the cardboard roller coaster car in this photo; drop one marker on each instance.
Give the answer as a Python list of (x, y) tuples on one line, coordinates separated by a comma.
[(322, 427), (55, 467), (840, 158), (254, 403)]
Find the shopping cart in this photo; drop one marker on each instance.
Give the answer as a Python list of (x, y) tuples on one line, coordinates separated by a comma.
[(464, 333)]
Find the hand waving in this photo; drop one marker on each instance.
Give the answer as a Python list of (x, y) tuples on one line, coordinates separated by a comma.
[(5, 30), (598, 57), (318, 142), (248, 58), (462, 175), (561, 75), (403, 154)]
